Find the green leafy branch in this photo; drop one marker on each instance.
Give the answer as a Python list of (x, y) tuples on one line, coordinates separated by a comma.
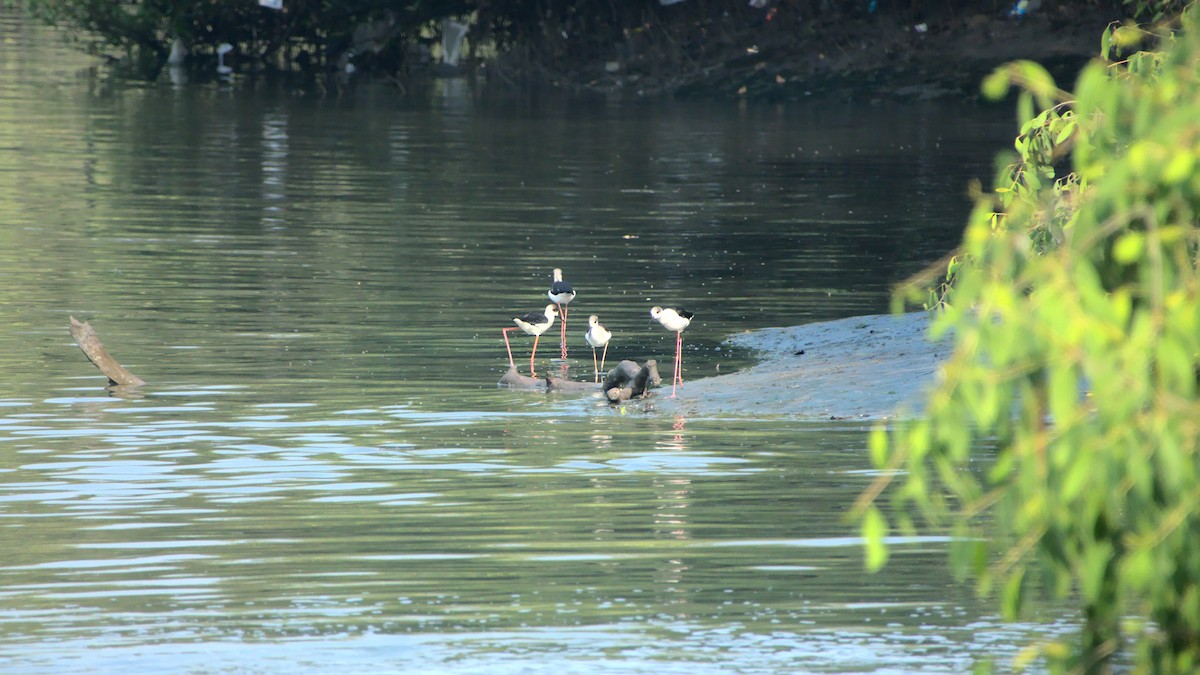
[(1061, 445)]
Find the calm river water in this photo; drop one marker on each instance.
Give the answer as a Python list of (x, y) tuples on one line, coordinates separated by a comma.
[(321, 473)]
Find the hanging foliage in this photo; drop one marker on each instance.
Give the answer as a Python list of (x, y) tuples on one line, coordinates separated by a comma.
[(1062, 441)]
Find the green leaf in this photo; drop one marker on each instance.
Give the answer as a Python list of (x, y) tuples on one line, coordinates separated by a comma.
[(1037, 79), (877, 442), (984, 666), (1179, 167), (874, 531), (1138, 567), (1014, 595), (1076, 477), (1025, 106), (1063, 394), (1128, 36), (1094, 575), (1129, 247), (995, 86), (1065, 132)]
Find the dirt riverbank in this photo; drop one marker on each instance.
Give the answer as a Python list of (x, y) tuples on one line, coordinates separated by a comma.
[(918, 53), (861, 368)]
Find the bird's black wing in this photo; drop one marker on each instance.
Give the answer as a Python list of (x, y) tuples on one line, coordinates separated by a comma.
[(534, 317)]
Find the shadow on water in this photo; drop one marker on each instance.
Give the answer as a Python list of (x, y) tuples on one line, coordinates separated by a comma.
[(321, 472)]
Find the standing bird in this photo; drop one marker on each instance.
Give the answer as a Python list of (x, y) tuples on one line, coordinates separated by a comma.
[(597, 336), (674, 319), (223, 49), (533, 323), (561, 293)]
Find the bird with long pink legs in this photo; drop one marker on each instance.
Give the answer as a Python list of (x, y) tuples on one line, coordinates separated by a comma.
[(533, 323), (674, 319), (560, 294), (597, 336)]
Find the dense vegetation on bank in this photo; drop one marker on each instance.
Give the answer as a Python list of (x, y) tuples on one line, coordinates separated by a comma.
[(765, 47), (1063, 438)]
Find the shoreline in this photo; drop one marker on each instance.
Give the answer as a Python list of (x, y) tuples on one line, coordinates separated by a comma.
[(858, 368), (925, 53)]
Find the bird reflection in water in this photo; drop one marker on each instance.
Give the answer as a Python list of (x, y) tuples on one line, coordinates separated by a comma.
[(677, 440), (673, 498)]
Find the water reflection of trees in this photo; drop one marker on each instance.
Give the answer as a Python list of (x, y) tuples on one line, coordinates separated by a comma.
[(751, 216)]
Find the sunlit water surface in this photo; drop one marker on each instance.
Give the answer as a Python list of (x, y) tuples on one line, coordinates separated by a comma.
[(321, 473)]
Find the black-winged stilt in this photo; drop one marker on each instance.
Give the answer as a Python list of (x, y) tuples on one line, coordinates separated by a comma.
[(674, 319), (533, 323), (223, 49), (561, 293), (597, 336)]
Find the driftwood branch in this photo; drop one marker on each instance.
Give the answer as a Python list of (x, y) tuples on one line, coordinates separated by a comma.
[(514, 379), (85, 336)]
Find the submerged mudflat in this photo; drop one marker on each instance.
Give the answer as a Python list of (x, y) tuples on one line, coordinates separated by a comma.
[(867, 367)]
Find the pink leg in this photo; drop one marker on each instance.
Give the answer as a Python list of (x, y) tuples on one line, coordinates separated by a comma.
[(677, 379), (533, 354), (679, 355), (675, 371), (562, 312), (504, 332), (595, 368), (603, 356)]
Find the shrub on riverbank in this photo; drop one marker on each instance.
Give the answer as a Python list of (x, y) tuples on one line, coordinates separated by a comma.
[(1076, 317)]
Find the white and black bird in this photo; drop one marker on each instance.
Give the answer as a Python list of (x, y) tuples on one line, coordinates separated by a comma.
[(597, 336), (533, 323), (674, 319), (223, 49), (561, 293)]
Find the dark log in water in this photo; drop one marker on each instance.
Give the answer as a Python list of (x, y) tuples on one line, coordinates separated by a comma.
[(621, 375), (627, 380), (637, 385), (85, 336), (646, 378), (514, 379)]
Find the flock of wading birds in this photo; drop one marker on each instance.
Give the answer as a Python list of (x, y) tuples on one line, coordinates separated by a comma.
[(674, 319)]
